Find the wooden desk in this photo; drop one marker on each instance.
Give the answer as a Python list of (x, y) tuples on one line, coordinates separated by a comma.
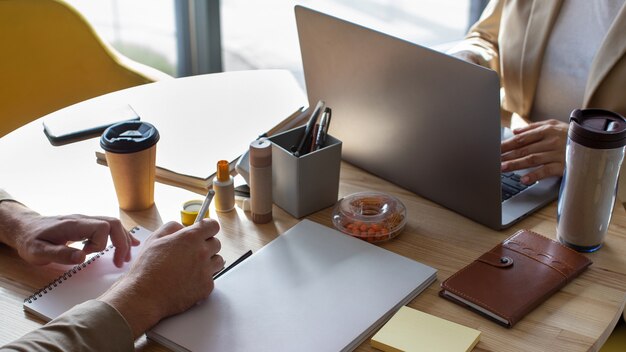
[(58, 180)]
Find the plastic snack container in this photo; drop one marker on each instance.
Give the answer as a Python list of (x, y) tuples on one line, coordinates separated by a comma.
[(370, 216)]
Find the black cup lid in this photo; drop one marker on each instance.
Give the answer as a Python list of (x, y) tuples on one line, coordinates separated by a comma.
[(597, 128), (129, 137)]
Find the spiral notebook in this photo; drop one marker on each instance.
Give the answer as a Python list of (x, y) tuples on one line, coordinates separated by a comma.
[(80, 283), (311, 289)]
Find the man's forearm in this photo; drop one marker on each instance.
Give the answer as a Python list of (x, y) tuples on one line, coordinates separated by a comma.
[(12, 216), (7, 219)]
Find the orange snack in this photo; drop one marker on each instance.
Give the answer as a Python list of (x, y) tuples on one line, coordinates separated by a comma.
[(371, 216)]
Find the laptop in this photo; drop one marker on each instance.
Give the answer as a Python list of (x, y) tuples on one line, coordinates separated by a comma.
[(418, 118)]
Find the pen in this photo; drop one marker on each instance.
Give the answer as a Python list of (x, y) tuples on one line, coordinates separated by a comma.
[(300, 150), (323, 129), (329, 112), (317, 129), (205, 206), (241, 259)]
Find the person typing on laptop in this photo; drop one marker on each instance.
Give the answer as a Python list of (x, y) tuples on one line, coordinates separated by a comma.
[(150, 290), (402, 94), (552, 57)]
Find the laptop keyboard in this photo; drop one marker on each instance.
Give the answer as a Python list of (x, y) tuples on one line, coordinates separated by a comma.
[(511, 185)]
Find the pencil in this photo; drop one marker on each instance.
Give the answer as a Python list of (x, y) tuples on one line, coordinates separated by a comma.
[(241, 259), (306, 136), (205, 206)]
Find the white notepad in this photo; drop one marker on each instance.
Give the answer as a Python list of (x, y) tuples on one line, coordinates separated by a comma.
[(81, 283), (311, 289)]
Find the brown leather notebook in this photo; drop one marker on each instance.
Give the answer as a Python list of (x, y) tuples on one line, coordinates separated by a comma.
[(514, 277)]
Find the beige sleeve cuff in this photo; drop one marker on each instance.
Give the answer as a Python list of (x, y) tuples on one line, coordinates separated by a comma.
[(482, 38), (4, 195), (93, 326)]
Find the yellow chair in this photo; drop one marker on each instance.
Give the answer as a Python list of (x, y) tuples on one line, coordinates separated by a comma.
[(51, 58), (617, 340)]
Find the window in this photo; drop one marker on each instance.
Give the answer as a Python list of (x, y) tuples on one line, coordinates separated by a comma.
[(143, 30), (262, 34), (259, 34)]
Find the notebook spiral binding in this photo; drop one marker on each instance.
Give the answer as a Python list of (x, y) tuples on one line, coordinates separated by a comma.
[(74, 270)]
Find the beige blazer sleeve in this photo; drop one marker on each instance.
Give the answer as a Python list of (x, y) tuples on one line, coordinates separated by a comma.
[(511, 36), (4, 195), (482, 37), (90, 326)]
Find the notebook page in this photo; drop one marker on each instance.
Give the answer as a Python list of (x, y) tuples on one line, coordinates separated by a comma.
[(95, 276)]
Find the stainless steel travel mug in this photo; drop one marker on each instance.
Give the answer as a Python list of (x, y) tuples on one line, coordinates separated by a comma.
[(594, 154)]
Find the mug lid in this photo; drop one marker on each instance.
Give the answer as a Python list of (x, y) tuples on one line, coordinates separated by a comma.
[(597, 128), (129, 137)]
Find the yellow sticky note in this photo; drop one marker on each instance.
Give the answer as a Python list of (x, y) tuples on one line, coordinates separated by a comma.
[(412, 330)]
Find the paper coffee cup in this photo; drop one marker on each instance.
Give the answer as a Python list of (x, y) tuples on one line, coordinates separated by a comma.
[(130, 149)]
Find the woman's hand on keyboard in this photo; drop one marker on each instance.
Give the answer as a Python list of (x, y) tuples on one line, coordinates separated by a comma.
[(540, 145)]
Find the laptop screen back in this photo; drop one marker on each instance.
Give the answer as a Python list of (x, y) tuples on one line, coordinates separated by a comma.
[(421, 119)]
